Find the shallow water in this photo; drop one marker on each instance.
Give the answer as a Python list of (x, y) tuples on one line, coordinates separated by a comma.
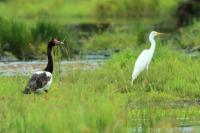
[(87, 62), (28, 67), (190, 124), (178, 129)]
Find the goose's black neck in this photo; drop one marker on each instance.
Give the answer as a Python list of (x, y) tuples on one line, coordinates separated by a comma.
[(49, 67)]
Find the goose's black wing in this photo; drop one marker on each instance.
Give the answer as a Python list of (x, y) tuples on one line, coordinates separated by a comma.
[(39, 81)]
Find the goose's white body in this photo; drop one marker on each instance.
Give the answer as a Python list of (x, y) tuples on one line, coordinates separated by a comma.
[(47, 86), (39, 82)]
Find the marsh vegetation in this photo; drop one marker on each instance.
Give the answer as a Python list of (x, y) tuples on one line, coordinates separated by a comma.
[(101, 100)]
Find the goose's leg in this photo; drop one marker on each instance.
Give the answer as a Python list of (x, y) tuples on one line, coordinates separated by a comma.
[(34, 96), (46, 95)]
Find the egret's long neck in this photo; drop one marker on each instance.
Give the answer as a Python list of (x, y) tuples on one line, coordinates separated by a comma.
[(153, 43), (49, 67)]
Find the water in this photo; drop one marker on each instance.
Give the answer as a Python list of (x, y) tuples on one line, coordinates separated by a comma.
[(28, 67), (10, 67), (193, 53), (178, 129), (169, 124)]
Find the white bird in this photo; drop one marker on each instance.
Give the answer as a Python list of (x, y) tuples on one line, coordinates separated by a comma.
[(41, 80), (145, 57)]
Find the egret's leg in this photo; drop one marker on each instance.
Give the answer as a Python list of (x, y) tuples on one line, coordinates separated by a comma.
[(132, 82), (146, 79), (147, 68)]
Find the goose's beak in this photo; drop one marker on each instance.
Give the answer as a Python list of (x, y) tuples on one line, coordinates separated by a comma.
[(59, 42), (159, 33)]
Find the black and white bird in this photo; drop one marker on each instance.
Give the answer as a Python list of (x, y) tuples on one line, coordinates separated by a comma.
[(41, 80)]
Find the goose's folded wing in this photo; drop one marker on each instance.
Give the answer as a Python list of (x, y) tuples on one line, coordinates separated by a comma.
[(39, 80)]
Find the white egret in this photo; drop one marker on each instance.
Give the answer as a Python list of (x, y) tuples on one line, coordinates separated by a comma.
[(145, 57)]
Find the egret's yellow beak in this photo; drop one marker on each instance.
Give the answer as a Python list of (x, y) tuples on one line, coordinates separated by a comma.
[(159, 33)]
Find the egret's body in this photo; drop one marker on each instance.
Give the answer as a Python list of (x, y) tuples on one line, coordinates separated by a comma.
[(145, 57)]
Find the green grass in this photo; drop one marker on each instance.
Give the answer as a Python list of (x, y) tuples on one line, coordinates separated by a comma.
[(25, 28), (134, 9), (99, 101), (62, 11), (69, 11), (129, 35), (102, 101), (136, 34), (189, 36), (27, 41), (110, 40)]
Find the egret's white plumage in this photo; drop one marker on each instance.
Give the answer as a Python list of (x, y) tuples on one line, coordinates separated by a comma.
[(145, 57)]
